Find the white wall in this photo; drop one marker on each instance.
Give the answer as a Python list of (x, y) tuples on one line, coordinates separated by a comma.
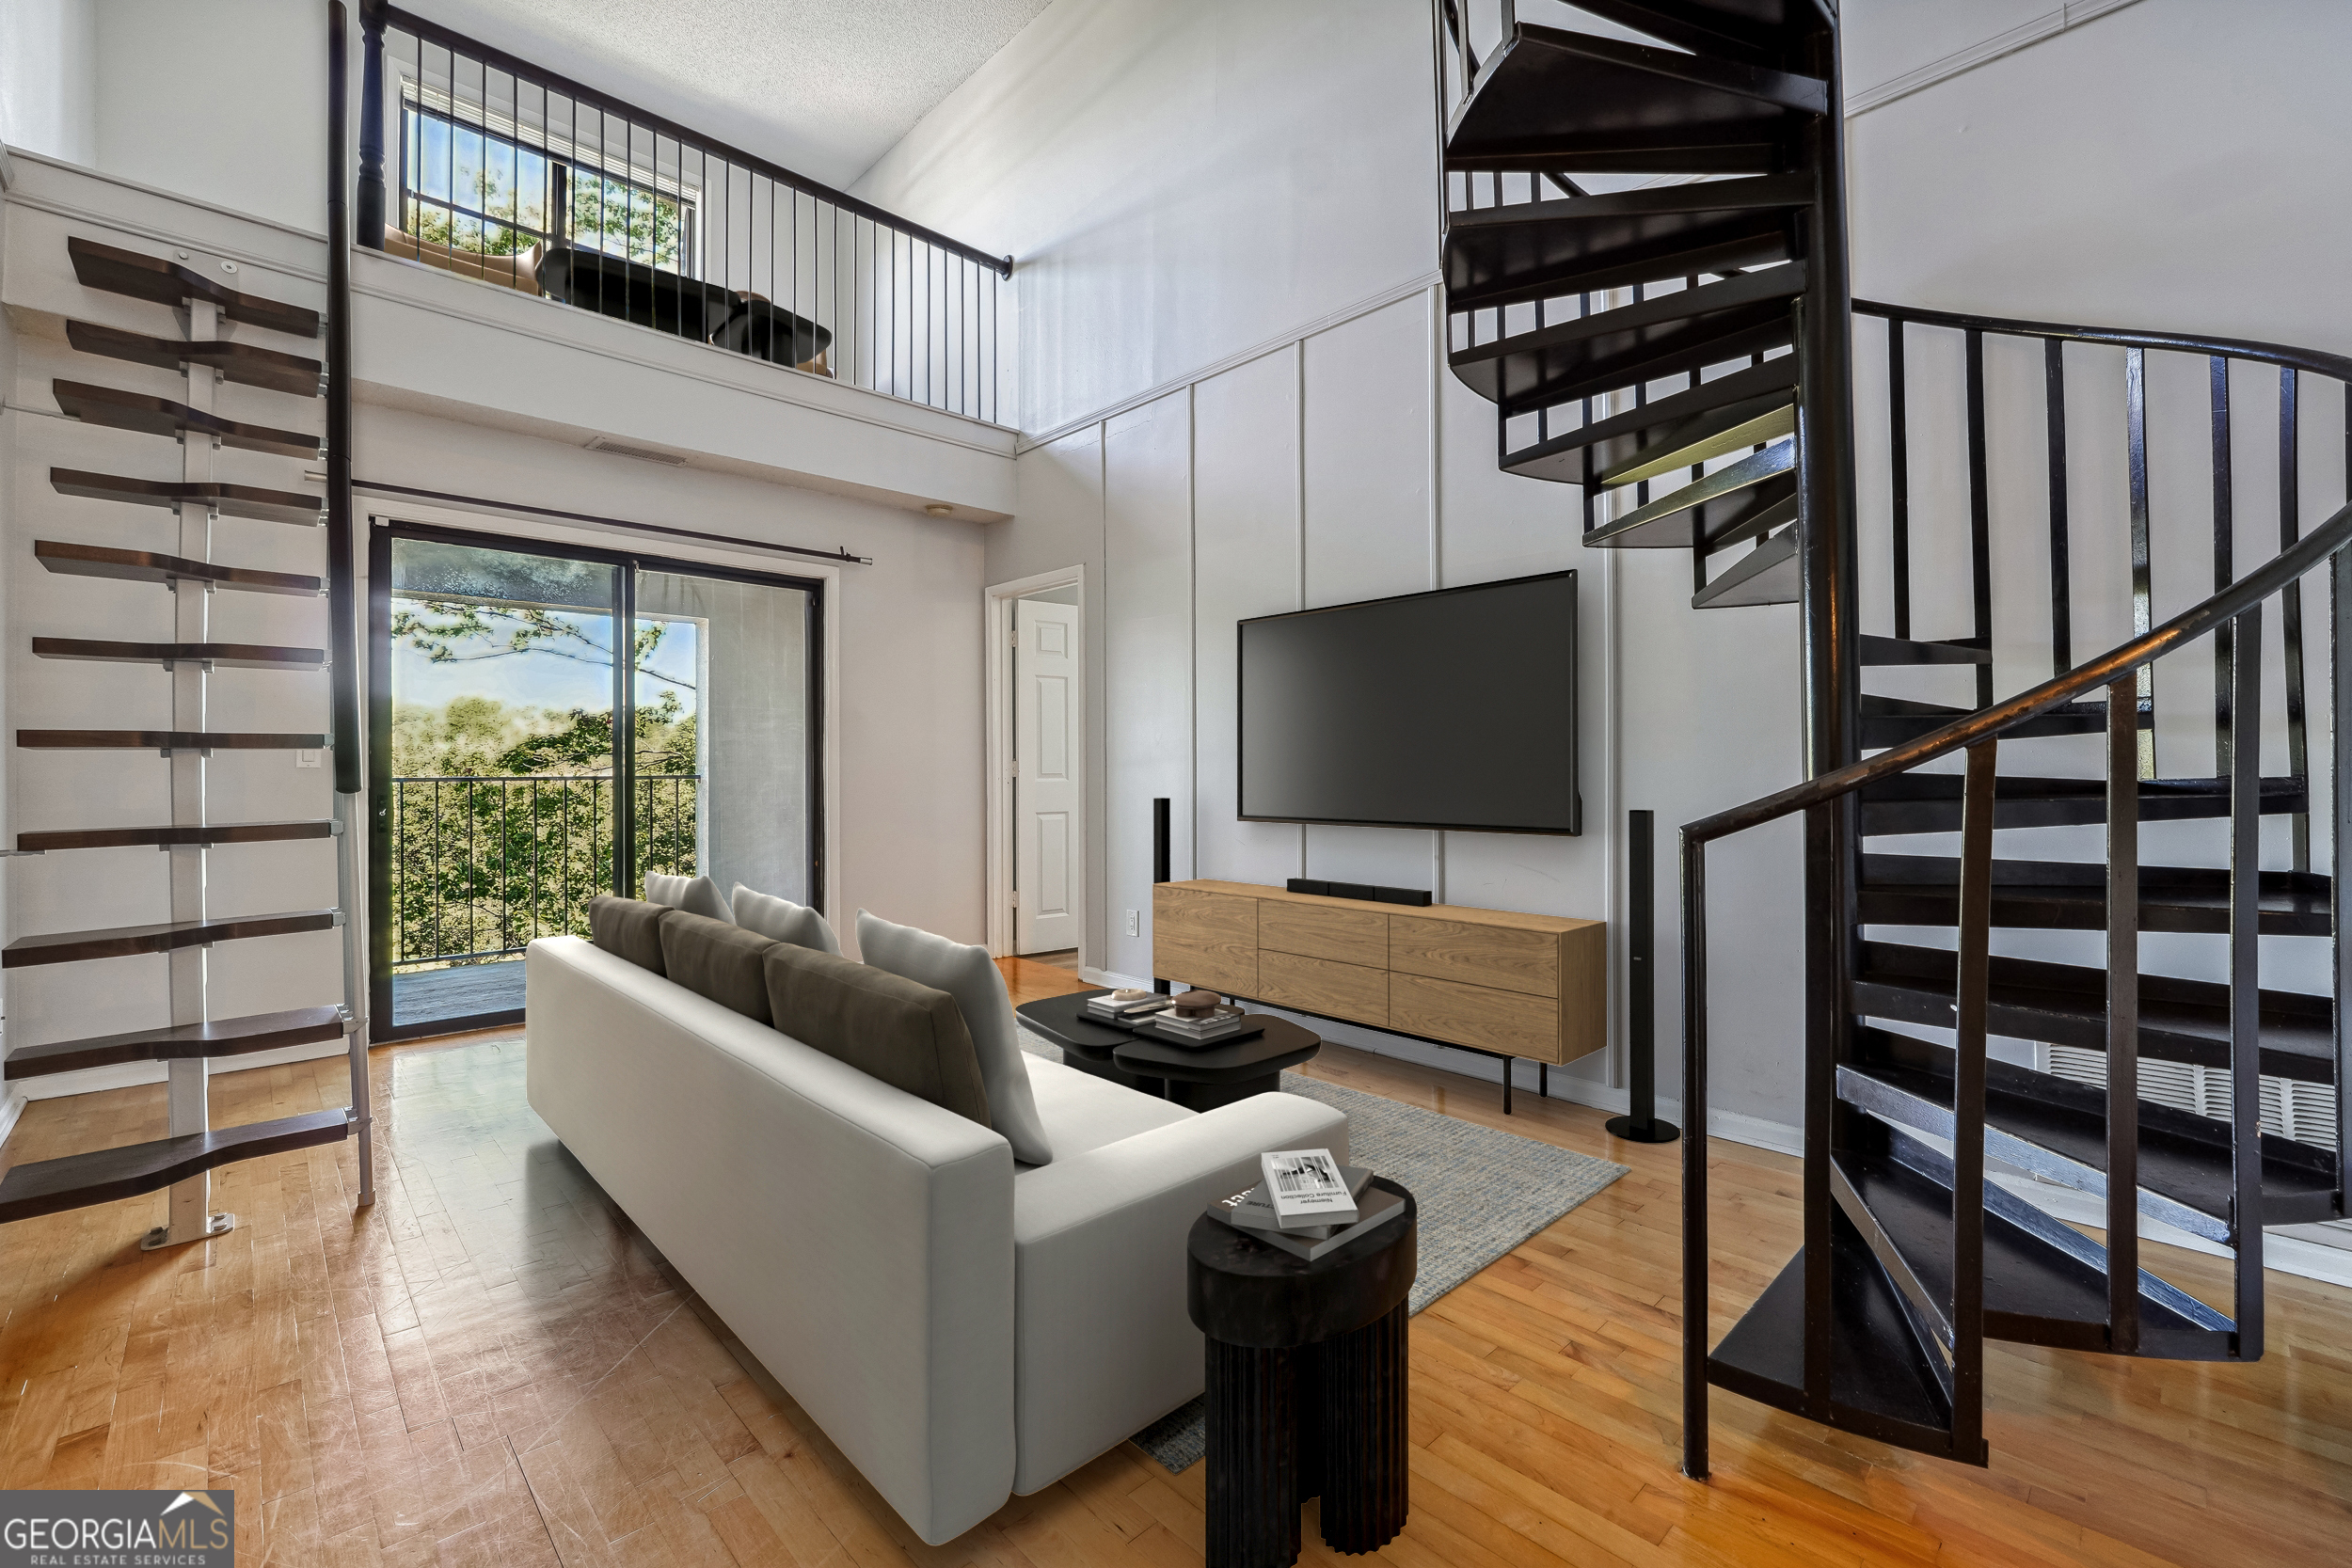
[(905, 767), (47, 85), (1221, 211)]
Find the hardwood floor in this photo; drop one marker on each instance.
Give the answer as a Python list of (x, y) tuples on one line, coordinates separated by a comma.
[(492, 1367)]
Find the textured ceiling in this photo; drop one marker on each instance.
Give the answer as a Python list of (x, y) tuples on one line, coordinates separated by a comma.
[(822, 86)]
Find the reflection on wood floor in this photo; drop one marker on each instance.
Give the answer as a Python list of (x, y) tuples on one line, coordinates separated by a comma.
[(492, 1367)]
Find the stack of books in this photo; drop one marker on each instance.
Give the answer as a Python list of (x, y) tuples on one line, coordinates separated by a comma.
[(1110, 1010), (1338, 1211), (1220, 1023)]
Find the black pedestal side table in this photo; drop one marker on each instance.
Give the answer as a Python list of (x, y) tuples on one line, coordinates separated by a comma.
[(1306, 1386)]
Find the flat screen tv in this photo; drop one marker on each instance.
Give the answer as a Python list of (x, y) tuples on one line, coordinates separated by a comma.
[(1452, 709)]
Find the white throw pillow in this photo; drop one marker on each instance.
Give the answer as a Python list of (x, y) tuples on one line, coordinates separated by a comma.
[(695, 895), (971, 977), (781, 920)]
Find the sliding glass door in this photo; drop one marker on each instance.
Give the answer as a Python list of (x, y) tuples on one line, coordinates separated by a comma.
[(551, 724)]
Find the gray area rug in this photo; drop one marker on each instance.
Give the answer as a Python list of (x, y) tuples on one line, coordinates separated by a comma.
[(1481, 1193)]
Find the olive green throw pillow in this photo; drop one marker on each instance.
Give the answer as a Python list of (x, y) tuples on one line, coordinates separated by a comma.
[(629, 928), (719, 960), (908, 1036)]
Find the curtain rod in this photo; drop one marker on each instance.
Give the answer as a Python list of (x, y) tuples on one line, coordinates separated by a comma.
[(843, 554)]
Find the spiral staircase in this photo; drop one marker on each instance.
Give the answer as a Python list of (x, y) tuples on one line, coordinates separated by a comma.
[(1680, 346)]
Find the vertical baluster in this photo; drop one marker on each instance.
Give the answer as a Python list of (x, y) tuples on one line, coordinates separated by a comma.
[(2244, 978), (2340, 834), (2136, 459), (2290, 610), (2224, 557), (1825, 1000), (1975, 926), (2061, 571), (1641, 399), (2122, 1020), (1694, 1327), (1899, 454), (1979, 516)]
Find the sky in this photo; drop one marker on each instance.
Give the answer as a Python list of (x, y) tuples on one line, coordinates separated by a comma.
[(541, 679)]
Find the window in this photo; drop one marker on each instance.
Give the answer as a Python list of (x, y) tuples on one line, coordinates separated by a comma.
[(475, 190)]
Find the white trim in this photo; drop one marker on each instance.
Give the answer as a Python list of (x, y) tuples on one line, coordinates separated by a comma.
[(1755, 1131), (996, 624), (12, 1103), (1275, 344), (801, 389), (314, 236), (2070, 15)]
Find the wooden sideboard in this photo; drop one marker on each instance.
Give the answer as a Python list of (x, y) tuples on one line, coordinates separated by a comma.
[(1513, 985)]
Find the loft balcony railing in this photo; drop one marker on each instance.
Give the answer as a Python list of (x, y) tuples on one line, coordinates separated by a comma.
[(483, 863), (486, 166)]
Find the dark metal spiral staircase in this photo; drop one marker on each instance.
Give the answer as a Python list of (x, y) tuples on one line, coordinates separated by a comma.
[(1682, 352)]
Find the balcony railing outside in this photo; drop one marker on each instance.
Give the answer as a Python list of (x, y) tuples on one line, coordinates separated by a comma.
[(483, 863), (483, 164)]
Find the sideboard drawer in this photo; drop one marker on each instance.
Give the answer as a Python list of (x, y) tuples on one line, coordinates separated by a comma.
[(1350, 991), (1206, 939), (1223, 972), (1509, 1021), (1482, 954), (1348, 936)]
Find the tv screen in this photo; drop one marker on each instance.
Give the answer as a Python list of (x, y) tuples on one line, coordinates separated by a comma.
[(1452, 709)]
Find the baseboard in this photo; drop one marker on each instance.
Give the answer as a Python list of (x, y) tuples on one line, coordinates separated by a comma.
[(126, 1075), (1566, 1083), (12, 1105)]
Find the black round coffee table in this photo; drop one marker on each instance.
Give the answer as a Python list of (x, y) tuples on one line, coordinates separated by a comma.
[(1202, 1078), (1199, 1078), (1307, 1385)]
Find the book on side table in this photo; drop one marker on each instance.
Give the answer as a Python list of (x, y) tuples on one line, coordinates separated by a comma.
[(1252, 1212)]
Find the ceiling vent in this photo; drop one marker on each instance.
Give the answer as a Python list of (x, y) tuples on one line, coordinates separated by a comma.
[(643, 455)]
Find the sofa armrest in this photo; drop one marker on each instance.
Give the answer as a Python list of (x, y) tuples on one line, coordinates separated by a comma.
[(1103, 1344)]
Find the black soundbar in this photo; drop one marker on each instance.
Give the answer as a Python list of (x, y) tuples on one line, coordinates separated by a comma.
[(1417, 897)]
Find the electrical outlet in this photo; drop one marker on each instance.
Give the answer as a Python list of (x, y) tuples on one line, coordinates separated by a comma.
[(307, 756), (1132, 929)]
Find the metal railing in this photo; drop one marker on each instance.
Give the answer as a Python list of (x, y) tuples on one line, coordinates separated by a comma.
[(1905, 324), (481, 163), (2234, 612), (482, 863)]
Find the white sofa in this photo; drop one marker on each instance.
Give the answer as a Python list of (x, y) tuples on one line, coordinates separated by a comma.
[(964, 1328)]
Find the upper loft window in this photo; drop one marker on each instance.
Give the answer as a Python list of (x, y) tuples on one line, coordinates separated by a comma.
[(474, 189), (510, 175)]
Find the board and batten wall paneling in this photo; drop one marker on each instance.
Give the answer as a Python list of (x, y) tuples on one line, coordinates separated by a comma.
[(1368, 532), (1147, 634), (1247, 559)]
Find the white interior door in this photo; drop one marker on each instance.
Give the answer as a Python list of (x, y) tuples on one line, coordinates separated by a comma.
[(1048, 870)]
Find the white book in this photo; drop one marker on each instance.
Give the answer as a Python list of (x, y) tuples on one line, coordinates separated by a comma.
[(1109, 1008), (1251, 1211), (1306, 1188)]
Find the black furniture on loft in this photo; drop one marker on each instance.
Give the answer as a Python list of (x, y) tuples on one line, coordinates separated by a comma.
[(683, 307)]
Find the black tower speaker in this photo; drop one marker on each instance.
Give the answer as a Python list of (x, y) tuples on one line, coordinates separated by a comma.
[(1641, 978)]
